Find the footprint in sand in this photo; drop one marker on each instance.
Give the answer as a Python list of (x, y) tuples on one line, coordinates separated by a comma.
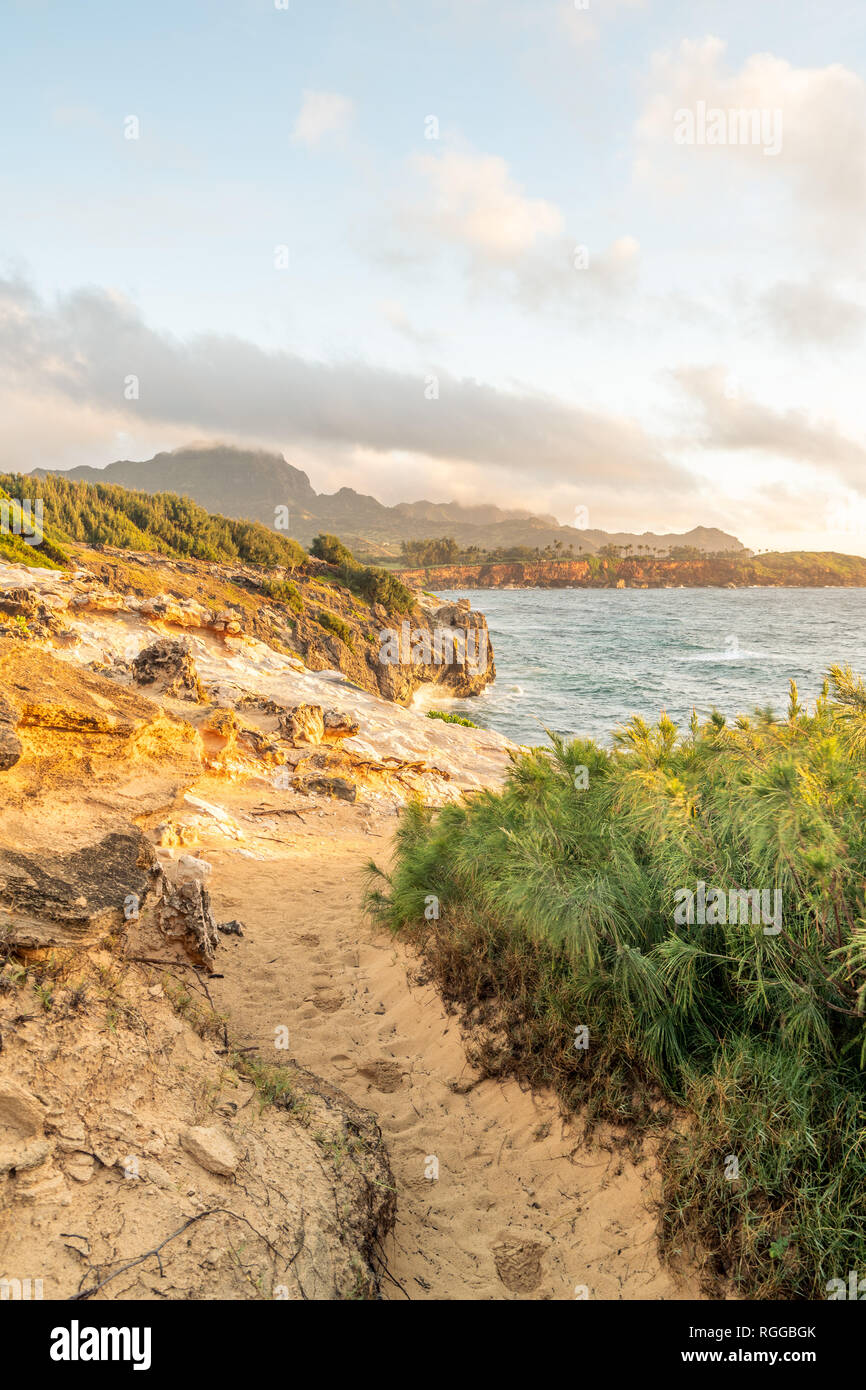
[(329, 1004), (383, 1074), (518, 1262)]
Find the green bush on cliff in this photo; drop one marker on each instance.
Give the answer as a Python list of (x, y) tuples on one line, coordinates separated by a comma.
[(378, 586), (100, 514), (14, 549), (283, 591), (449, 718), (340, 629), (564, 906), (371, 584), (332, 551)]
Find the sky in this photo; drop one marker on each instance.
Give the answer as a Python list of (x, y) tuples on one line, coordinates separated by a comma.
[(603, 260)]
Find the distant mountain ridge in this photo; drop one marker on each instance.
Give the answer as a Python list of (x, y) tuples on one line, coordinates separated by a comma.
[(252, 484)]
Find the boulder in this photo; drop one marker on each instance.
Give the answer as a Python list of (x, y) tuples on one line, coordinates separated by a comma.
[(189, 867)]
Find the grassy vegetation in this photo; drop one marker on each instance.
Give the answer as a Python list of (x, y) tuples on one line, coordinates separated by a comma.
[(14, 550), (100, 514), (371, 584), (283, 591), (451, 718), (561, 906), (340, 629)]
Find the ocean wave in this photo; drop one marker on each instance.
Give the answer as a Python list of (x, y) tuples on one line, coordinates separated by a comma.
[(731, 656)]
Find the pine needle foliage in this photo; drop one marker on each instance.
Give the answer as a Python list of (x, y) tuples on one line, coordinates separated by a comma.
[(557, 902)]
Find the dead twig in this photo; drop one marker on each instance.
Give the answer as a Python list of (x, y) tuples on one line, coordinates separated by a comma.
[(155, 1252)]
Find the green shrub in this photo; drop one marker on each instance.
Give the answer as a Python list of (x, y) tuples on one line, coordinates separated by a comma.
[(561, 902), (378, 586), (331, 549), (450, 718), (337, 626), (371, 584), (283, 591)]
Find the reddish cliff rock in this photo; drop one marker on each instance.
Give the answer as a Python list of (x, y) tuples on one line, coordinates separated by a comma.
[(794, 569)]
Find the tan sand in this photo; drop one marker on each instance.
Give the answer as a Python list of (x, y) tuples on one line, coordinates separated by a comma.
[(521, 1207)]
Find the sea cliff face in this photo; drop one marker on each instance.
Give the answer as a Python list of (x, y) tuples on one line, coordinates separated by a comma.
[(784, 570), (313, 616), (160, 745)]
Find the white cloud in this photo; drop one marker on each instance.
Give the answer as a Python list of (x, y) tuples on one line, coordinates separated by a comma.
[(811, 313), (732, 421), (513, 245), (321, 114), (477, 203), (820, 167), (85, 348)]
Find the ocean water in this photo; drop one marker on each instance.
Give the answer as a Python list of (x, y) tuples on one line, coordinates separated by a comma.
[(582, 661)]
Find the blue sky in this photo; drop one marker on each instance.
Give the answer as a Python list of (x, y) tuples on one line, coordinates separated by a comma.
[(664, 334)]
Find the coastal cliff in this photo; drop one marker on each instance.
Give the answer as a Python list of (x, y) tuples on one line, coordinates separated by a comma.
[(313, 616), (162, 769), (215, 1070), (789, 569)]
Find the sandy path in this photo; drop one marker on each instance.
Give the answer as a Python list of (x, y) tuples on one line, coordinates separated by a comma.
[(521, 1208)]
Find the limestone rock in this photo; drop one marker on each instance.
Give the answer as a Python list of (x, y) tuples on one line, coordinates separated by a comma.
[(22, 1120), (189, 867), (77, 896), (184, 915), (169, 662), (328, 786), (81, 1167), (338, 725), (211, 1148), (10, 747), (21, 1113), (303, 724)]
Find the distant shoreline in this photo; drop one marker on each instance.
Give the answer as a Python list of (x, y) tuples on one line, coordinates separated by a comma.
[(779, 570)]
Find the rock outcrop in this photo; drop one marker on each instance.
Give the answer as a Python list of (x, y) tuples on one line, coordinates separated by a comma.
[(10, 744), (56, 899), (121, 1093), (183, 913), (321, 621), (168, 663)]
